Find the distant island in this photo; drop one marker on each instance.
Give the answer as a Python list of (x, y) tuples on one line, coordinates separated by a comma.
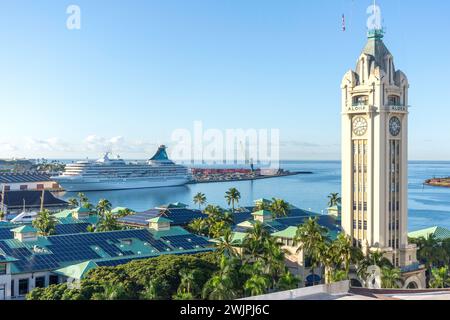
[(438, 182)]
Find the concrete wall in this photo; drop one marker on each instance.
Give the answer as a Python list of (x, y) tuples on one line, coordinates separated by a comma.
[(338, 288)]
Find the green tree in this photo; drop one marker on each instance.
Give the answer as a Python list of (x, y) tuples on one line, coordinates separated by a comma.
[(107, 222), (111, 292), (232, 196), (2, 215), (439, 278), (73, 202), (200, 200), (45, 223), (198, 226), (310, 238), (334, 199), (187, 280), (103, 207), (257, 285), (222, 285), (226, 245), (82, 199), (288, 281), (279, 208), (390, 278), (152, 290)]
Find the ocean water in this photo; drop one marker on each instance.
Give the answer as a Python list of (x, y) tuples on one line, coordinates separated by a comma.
[(428, 206)]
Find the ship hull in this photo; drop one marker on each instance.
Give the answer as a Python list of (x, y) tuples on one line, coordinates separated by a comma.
[(78, 185)]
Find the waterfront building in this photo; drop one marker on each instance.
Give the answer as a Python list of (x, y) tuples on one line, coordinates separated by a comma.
[(15, 202), (439, 233), (375, 157), (284, 229), (26, 181), (28, 260)]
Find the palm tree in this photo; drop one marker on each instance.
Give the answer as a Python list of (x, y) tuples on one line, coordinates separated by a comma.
[(439, 278), (187, 280), (103, 207), (45, 223), (288, 281), (73, 202), (257, 285), (311, 237), (338, 275), (346, 252), (253, 244), (213, 211), (373, 259), (152, 291), (390, 278), (222, 286), (82, 198), (232, 196), (111, 292), (279, 208), (226, 245), (274, 259), (200, 199), (335, 199), (107, 222), (198, 226)]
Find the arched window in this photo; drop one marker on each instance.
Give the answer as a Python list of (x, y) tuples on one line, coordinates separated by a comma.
[(393, 100), (360, 100)]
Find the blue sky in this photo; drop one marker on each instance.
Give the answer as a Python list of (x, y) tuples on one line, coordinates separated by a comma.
[(137, 70)]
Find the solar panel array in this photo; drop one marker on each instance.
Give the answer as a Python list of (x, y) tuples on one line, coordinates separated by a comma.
[(23, 177), (179, 217), (68, 249)]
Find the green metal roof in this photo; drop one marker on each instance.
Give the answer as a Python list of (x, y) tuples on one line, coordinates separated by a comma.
[(288, 233), (159, 219), (81, 210), (439, 232), (24, 229), (77, 271), (63, 214)]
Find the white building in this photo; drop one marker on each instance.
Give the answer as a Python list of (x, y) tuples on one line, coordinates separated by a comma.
[(26, 181), (375, 157)]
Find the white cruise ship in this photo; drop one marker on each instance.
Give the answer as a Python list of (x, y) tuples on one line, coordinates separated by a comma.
[(116, 174)]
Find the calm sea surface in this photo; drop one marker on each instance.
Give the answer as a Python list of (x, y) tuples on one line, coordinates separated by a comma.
[(428, 206)]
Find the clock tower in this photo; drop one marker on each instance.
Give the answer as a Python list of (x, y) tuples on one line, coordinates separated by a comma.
[(375, 154)]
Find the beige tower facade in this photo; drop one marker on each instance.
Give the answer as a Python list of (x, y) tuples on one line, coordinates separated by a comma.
[(375, 154)]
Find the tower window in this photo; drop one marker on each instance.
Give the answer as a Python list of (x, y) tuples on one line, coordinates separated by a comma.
[(394, 100), (360, 100)]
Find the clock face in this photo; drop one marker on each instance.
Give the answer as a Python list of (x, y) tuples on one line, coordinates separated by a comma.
[(395, 126), (359, 126)]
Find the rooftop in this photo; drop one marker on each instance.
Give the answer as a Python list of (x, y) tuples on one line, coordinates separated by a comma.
[(103, 248), (16, 199), (23, 177), (439, 233), (179, 216)]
